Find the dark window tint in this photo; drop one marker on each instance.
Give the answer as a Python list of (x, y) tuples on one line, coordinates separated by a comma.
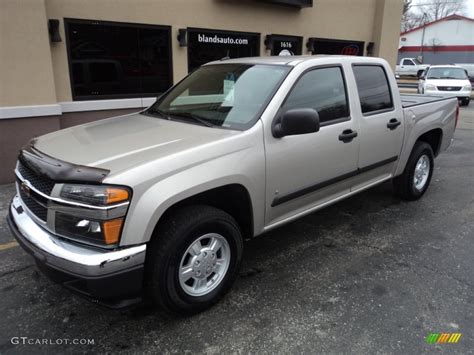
[(407, 62), (374, 90), (111, 60), (323, 90)]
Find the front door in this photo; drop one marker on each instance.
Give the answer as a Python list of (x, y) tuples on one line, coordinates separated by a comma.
[(306, 170), (407, 67)]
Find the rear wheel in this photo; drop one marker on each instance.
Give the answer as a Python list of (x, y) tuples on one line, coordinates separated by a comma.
[(416, 177), (193, 259)]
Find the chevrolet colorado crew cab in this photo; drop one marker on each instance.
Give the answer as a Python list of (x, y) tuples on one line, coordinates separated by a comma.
[(157, 204)]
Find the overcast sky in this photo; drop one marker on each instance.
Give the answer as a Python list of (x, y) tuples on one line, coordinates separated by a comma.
[(470, 8)]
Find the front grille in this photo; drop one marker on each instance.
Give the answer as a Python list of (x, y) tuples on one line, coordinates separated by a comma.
[(33, 205), (449, 88), (40, 183)]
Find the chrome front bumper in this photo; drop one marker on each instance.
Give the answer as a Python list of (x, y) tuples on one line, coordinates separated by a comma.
[(68, 257)]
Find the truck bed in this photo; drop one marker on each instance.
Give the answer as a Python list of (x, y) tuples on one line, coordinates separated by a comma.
[(410, 100)]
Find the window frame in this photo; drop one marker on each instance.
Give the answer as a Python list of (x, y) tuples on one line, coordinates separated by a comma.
[(68, 21), (344, 80), (376, 112)]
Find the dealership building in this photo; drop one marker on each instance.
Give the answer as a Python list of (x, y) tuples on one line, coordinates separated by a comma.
[(66, 62)]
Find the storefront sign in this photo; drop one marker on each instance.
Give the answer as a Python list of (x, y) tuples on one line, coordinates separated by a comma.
[(206, 45), (335, 46), (284, 45)]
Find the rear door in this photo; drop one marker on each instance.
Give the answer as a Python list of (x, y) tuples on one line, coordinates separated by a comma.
[(381, 123)]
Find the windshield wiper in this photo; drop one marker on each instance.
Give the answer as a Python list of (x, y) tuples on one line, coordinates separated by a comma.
[(194, 117), (154, 110)]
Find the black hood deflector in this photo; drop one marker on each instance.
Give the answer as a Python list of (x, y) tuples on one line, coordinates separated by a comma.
[(59, 170)]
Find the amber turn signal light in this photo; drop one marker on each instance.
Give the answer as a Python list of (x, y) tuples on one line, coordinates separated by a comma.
[(111, 230), (115, 194)]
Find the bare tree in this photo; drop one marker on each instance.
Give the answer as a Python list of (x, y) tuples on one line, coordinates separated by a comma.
[(418, 13), (410, 17), (438, 9)]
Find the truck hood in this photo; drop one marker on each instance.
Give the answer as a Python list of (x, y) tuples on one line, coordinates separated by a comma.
[(120, 143)]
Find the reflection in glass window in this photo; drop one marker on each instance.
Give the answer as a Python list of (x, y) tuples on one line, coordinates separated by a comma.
[(322, 90), (225, 95), (373, 87), (111, 60)]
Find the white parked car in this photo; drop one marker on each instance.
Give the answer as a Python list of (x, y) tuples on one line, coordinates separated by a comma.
[(446, 80)]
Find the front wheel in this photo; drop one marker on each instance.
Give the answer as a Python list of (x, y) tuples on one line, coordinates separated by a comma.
[(416, 177), (193, 259)]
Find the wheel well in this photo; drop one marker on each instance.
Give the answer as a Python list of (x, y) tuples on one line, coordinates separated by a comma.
[(433, 138), (233, 199)]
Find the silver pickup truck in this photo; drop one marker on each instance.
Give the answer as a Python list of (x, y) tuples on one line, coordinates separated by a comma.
[(158, 203)]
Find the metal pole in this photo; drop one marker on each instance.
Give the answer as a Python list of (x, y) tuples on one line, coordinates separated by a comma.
[(423, 35)]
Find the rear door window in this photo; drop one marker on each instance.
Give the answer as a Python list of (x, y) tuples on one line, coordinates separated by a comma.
[(374, 89)]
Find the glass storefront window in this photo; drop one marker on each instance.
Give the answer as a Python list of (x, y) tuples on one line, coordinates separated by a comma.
[(117, 60)]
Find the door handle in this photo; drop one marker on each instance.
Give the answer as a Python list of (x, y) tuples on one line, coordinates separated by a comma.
[(347, 135), (393, 124)]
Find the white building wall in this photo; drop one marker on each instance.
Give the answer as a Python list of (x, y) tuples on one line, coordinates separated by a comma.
[(455, 32)]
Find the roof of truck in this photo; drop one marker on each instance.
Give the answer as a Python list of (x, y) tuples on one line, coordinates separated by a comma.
[(288, 60)]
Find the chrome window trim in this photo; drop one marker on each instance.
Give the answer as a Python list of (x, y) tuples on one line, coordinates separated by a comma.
[(66, 202)]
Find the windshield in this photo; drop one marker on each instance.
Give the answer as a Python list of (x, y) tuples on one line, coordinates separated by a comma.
[(417, 61), (224, 95), (447, 73)]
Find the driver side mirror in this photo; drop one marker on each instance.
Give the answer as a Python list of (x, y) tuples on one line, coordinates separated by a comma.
[(296, 121)]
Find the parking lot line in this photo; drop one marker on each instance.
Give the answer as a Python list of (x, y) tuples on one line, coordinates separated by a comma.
[(9, 245)]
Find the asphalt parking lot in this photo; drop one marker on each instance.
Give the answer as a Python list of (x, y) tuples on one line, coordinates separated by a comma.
[(369, 274)]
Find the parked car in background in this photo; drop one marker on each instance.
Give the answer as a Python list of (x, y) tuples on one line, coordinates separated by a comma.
[(470, 71), (410, 67), (446, 80), (159, 202)]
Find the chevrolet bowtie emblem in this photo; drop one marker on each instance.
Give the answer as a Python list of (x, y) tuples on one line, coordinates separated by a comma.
[(26, 189)]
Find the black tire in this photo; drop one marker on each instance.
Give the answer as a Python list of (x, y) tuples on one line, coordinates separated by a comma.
[(465, 102), (168, 246), (404, 184)]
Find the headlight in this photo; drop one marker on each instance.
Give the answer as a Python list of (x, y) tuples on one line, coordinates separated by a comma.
[(430, 87), (98, 215), (99, 195), (467, 87)]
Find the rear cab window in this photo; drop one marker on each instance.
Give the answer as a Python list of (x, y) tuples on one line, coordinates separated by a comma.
[(374, 89)]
